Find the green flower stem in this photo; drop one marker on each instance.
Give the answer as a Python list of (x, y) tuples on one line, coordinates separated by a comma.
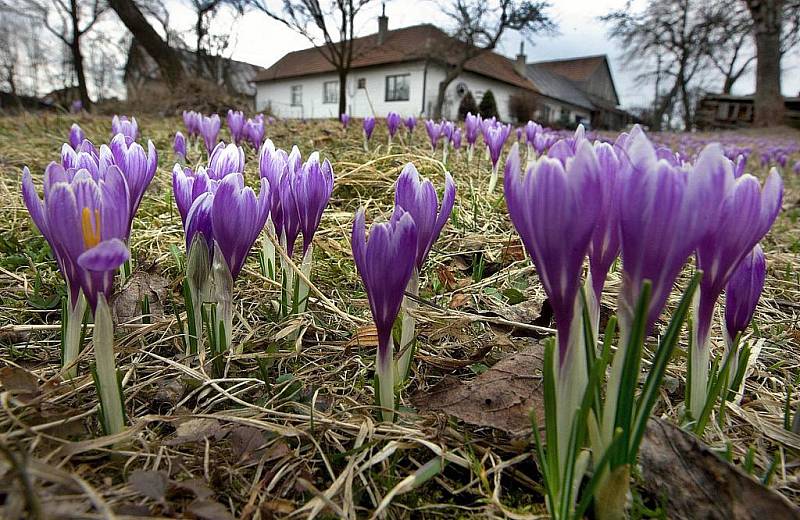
[(71, 330), (268, 251), (108, 386)]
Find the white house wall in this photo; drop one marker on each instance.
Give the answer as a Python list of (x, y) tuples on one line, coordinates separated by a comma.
[(276, 95)]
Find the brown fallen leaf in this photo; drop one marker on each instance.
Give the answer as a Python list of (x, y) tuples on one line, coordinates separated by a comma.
[(209, 510), (246, 441), (194, 430), (277, 508), (696, 483), (446, 278), (459, 300), (151, 484), (127, 302), (18, 381), (501, 397), (366, 337)]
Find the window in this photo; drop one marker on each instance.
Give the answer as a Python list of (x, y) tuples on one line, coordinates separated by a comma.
[(362, 83), (330, 92), (297, 95), (397, 87), (546, 113)]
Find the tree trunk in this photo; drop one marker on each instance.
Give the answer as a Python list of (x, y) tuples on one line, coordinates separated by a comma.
[(768, 104), (666, 103), (165, 56), (442, 91), (342, 91), (77, 57), (687, 106)]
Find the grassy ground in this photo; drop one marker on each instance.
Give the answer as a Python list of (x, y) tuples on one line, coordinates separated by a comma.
[(297, 435)]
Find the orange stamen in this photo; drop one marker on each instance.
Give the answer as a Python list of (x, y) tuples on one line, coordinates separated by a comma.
[(91, 233)]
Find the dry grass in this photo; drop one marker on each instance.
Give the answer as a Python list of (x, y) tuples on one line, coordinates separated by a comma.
[(300, 438)]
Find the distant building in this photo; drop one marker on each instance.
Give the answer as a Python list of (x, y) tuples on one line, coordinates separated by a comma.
[(400, 71), (727, 111), (237, 77)]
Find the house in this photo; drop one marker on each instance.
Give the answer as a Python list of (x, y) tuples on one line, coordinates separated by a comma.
[(728, 111), (237, 77), (400, 71)]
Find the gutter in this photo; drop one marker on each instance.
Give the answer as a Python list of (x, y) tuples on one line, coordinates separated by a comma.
[(424, 86)]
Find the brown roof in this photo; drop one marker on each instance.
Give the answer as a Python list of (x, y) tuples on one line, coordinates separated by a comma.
[(576, 69), (400, 45)]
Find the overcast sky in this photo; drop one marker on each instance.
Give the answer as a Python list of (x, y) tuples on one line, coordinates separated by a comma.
[(262, 41)]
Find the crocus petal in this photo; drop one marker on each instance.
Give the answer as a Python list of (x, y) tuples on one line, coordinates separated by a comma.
[(108, 255)]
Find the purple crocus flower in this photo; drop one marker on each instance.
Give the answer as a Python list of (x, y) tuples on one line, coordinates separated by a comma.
[(455, 139), (237, 218), (555, 210), (531, 131), (410, 123), (393, 121), (127, 127), (254, 131), (84, 156), (385, 263), (666, 211), (434, 130), (236, 121), (345, 120), (224, 160), (187, 187), (496, 137), (76, 136), (519, 133), (86, 221), (273, 164), (796, 167), (137, 167), (312, 186), (605, 239), (192, 120), (369, 126), (76, 106), (209, 130), (743, 292), (472, 128), (418, 198), (447, 129), (179, 145), (746, 215)]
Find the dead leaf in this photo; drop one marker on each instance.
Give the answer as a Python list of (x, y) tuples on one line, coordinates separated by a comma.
[(195, 430), (512, 252), (696, 483), (366, 337), (195, 486), (246, 441), (127, 303), (501, 397), (18, 381), (209, 510), (459, 300), (151, 484), (446, 278), (277, 507)]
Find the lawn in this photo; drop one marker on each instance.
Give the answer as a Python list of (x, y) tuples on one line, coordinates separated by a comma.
[(290, 428)]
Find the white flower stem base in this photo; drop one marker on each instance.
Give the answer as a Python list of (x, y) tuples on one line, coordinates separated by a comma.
[(384, 372), (407, 336), (71, 340), (493, 179)]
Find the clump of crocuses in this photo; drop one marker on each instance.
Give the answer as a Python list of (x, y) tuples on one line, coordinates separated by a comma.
[(418, 198), (90, 200), (222, 219)]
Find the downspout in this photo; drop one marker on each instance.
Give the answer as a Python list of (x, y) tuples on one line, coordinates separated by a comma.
[(424, 86)]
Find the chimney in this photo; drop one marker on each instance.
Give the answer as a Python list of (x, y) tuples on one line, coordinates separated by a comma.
[(519, 63), (383, 26)]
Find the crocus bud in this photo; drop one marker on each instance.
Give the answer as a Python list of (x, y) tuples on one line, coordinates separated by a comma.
[(179, 145), (743, 292)]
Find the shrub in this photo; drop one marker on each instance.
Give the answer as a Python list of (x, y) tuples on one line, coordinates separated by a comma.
[(467, 104), (488, 106)]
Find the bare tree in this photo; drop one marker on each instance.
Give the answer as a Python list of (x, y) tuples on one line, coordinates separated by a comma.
[(675, 33), (9, 53), (479, 26), (731, 51), (166, 57), (328, 25), (775, 29), (211, 46), (69, 21)]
